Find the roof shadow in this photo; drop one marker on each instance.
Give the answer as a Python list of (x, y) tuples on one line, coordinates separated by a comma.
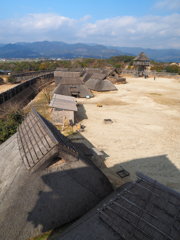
[(67, 195), (88, 150), (157, 167)]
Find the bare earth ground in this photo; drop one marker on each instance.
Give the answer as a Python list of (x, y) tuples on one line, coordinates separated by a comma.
[(145, 133), (6, 87)]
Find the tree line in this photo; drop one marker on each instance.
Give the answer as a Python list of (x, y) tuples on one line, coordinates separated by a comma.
[(117, 62)]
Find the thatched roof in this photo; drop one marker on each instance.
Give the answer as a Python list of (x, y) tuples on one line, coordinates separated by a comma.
[(93, 70), (45, 182), (98, 76), (141, 210), (141, 57), (106, 71), (100, 85), (70, 69), (68, 80), (71, 90), (67, 74), (63, 102), (86, 76)]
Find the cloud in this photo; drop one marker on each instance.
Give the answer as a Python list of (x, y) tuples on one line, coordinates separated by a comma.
[(147, 31), (168, 4)]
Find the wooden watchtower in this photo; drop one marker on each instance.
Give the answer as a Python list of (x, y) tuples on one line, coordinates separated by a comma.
[(141, 62)]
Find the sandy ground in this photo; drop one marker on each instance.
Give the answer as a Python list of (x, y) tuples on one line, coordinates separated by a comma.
[(145, 133), (6, 87)]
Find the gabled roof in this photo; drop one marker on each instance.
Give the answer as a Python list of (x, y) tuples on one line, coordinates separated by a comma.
[(141, 210), (68, 80), (63, 102), (86, 76), (70, 69), (39, 141), (93, 70), (141, 57), (100, 85), (34, 202), (67, 74), (98, 76)]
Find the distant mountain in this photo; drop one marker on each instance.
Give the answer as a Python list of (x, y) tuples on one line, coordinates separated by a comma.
[(56, 50), (47, 49), (164, 55)]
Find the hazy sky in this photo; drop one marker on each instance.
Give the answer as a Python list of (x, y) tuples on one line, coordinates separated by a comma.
[(131, 23)]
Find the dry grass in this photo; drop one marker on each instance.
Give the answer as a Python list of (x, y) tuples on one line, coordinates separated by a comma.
[(41, 102)]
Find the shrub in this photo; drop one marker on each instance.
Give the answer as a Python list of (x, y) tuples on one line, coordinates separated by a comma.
[(9, 124)]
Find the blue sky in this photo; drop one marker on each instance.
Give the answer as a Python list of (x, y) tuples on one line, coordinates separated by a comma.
[(77, 8), (134, 23)]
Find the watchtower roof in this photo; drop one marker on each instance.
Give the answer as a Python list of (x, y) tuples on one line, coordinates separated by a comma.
[(141, 57)]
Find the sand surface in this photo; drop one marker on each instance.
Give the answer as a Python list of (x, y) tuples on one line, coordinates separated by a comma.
[(145, 133)]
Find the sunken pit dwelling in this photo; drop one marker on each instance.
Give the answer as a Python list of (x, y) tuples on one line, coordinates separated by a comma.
[(80, 82)]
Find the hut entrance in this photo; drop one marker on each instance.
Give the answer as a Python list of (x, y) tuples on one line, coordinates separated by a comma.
[(74, 92)]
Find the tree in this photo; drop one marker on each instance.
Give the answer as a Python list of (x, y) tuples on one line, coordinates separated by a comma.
[(8, 125)]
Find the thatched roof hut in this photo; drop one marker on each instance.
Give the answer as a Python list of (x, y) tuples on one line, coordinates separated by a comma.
[(141, 210), (45, 181), (75, 90), (100, 85), (63, 108)]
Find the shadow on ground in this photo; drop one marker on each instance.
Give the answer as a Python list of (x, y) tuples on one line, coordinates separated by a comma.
[(158, 167), (80, 114)]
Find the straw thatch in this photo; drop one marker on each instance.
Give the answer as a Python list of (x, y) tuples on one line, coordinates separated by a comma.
[(100, 85), (68, 80), (141, 57), (66, 74), (45, 181), (142, 210), (81, 91), (70, 69)]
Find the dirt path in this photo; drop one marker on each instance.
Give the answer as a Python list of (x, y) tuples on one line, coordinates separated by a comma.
[(145, 133)]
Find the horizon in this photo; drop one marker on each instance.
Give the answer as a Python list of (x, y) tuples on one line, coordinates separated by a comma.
[(95, 44), (146, 24)]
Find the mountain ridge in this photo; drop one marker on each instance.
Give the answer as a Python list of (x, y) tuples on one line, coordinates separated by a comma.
[(57, 49)]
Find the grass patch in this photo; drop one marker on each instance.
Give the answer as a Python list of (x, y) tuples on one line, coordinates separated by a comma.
[(41, 102), (44, 236)]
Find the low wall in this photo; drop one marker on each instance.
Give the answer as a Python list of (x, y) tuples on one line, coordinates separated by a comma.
[(21, 94), (19, 77)]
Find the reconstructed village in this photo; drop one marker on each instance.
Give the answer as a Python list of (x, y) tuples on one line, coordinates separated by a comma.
[(96, 155)]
